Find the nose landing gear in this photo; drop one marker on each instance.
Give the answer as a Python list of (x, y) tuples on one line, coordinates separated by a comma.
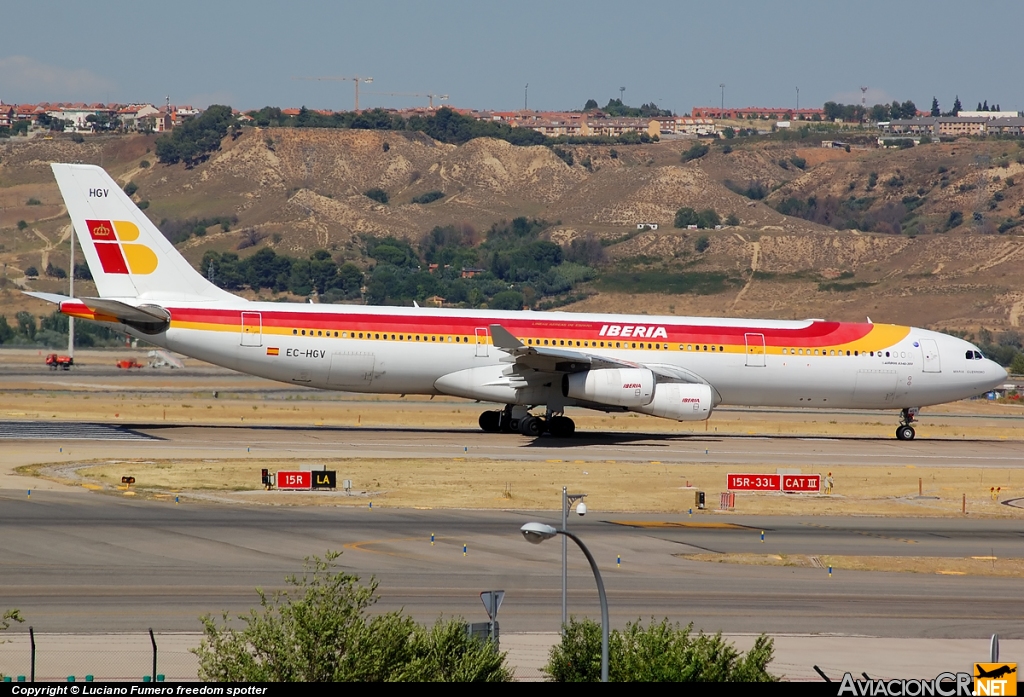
[(905, 431)]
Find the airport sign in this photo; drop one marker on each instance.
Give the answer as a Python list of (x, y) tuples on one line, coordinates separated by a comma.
[(295, 481), (325, 479), (801, 482), (754, 482)]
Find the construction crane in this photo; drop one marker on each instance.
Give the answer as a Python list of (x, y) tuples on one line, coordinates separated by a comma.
[(431, 97), (355, 79)]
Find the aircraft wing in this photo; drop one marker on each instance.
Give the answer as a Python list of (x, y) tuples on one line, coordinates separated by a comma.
[(548, 359)]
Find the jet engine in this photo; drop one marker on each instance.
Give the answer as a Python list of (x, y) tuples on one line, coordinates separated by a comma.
[(680, 402), (620, 387)]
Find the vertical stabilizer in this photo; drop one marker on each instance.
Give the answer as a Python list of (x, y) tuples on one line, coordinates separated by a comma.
[(127, 255)]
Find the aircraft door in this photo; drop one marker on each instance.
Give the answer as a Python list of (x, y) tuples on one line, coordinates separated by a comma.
[(252, 329), (930, 350), (482, 334), (755, 350)]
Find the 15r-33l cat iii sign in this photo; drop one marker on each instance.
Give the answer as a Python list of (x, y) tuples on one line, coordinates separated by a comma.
[(774, 482)]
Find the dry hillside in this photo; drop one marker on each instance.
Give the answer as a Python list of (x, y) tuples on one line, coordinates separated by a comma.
[(302, 190)]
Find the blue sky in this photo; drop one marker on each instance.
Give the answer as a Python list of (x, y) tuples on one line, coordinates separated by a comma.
[(483, 53)]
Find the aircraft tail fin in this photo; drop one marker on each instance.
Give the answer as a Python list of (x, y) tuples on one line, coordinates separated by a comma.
[(126, 253)]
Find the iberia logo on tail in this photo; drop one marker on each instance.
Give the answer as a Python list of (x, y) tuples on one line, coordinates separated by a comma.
[(118, 252)]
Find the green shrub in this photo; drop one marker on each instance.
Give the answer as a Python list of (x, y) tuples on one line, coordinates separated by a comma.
[(378, 195), (33, 202), (702, 243), (320, 630), (696, 151), (659, 652), (130, 188), (428, 197), (685, 216)]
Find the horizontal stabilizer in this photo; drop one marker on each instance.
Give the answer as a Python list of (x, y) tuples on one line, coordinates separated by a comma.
[(54, 298), (124, 312)]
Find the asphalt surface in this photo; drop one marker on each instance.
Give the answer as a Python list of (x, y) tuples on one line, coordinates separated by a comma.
[(81, 562), (160, 441)]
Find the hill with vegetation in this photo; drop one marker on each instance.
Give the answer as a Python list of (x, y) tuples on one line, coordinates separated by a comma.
[(929, 236)]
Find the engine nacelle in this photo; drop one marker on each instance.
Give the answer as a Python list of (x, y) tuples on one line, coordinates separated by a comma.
[(620, 387), (680, 402)]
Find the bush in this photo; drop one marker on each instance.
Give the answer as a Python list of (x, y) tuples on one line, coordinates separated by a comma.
[(320, 631), (659, 652), (428, 197), (708, 218), (506, 300), (696, 151), (33, 202), (32, 272), (684, 217), (130, 188), (193, 141), (77, 138), (732, 220), (702, 243), (378, 195), (144, 164), (798, 162)]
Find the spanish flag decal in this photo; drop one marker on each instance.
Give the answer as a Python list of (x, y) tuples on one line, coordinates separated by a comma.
[(273, 351)]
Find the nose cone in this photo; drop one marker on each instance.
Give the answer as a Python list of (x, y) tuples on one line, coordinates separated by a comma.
[(995, 373)]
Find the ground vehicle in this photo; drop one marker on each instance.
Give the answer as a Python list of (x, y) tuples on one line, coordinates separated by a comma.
[(62, 362), (128, 363)]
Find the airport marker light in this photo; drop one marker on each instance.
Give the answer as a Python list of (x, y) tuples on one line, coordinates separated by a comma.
[(535, 533)]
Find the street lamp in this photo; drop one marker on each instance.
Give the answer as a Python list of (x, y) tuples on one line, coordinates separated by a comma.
[(722, 85), (567, 501), (535, 533)]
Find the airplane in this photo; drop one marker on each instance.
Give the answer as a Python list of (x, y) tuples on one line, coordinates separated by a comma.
[(678, 368), (995, 672)]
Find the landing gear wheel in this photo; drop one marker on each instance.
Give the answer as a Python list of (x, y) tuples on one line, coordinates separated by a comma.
[(530, 426), (490, 421), (561, 426), (905, 433)]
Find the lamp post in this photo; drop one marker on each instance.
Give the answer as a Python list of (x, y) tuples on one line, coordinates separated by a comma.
[(722, 85), (567, 501), (536, 533)]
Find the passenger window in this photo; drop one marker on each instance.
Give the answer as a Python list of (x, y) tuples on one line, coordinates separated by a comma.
[(633, 345), (545, 342), (705, 348), (616, 344), (832, 352), (815, 352), (887, 354), (303, 332), (784, 351), (689, 347), (295, 331)]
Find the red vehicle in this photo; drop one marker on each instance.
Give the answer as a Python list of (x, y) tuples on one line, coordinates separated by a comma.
[(127, 363), (61, 362)]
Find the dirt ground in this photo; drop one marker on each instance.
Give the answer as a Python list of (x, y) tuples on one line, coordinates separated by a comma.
[(611, 486), (947, 566)]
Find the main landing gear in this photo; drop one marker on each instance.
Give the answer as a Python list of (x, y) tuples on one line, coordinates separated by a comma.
[(506, 421), (905, 431)]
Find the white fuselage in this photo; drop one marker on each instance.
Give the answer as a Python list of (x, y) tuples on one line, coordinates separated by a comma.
[(407, 350)]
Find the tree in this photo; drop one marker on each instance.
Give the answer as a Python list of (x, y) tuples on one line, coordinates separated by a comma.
[(590, 105), (732, 220), (32, 272), (26, 324), (729, 132), (506, 300), (1017, 364), (696, 151), (708, 218), (935, 107), (659, 652), (6, 333), (378, 195), (193, 141), (685, 216), (130, 188), (957, 108), (320, 631)]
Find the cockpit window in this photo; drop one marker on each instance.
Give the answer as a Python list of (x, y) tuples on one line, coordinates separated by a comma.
[(974, 355), (969, 355)]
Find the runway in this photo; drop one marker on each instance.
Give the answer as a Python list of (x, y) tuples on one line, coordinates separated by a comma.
[(79, 562), (162, 441)]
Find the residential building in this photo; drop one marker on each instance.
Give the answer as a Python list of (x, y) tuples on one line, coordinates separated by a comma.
[(754, 112), (929, 125), (1007, 126), (962, 125), (990, 115)]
